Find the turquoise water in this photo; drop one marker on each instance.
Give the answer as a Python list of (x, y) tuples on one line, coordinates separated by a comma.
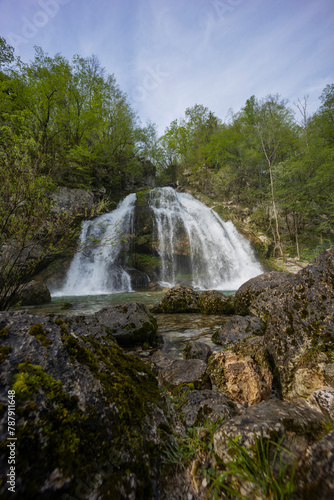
[(175, 329), (89, 304)]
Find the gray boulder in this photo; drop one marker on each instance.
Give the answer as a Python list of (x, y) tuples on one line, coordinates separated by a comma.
[(191, 372), (179, 299), (319, 467), (238, 328), (296, 424), (214, 302), (202, 405), (197, 350), (129, 323), (271, 284), (33, 294), (300, 329)]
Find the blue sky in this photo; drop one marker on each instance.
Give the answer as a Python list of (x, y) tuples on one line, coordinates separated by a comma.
[(168, 55)]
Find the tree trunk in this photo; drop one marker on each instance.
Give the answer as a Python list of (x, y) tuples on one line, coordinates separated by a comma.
[(275, 210)]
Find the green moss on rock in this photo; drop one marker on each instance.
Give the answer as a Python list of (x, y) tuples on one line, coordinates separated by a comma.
[(38, 332)]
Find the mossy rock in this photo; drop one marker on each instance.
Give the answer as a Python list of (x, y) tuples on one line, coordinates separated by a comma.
[(86, 410), (179, 299), (214, 302), (32, 294)]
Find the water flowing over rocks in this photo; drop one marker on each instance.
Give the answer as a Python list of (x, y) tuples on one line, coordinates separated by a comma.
[(161, 236)]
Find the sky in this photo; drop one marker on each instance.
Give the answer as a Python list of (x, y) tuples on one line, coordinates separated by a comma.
[(168, 55)]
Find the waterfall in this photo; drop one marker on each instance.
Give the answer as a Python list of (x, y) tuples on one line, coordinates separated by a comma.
[(95, 268), (190, 242), (220, 257)]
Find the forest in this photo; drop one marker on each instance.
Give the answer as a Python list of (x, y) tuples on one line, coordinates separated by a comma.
[(67, 123)]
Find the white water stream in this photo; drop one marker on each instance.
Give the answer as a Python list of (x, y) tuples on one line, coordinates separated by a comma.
[(221, 258), (95, 269)]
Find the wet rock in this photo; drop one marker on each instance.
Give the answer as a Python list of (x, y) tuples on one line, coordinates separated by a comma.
[(33, 294), (205, 404), (197, 350), (214, 302), (297, 424), (138, 278), (240, 377), (268, 283), (238, 328), (179, 299), (185, 372), (319, 467), (129, 323), (89, 417), (159, 361)]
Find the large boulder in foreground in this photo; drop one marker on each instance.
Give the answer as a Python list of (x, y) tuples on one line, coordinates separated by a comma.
[(129, 323), (90, 420), (300, 329), (297, 424), (264, 289), (298, 312)]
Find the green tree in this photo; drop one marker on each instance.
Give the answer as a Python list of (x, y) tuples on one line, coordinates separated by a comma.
[(6, 53), (274, 125), (29, 228)]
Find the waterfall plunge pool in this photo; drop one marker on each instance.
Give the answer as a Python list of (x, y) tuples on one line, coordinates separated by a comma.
[(175, 329)]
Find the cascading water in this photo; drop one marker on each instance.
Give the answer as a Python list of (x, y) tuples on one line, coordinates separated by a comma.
[(96, 269), (191, 242), (220, 257)]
